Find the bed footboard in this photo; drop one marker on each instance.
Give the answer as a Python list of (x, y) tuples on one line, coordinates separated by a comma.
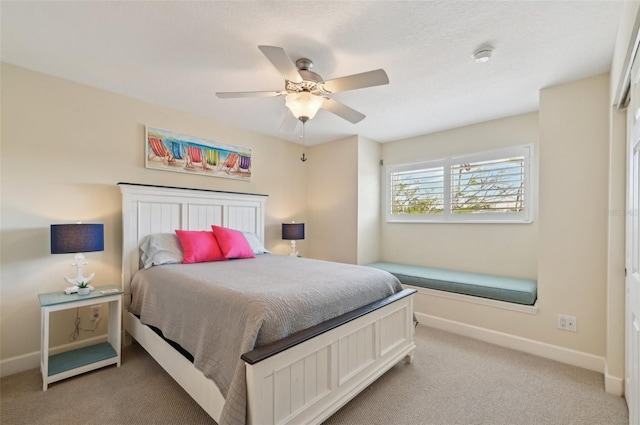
[(307, 377), (319, 371)]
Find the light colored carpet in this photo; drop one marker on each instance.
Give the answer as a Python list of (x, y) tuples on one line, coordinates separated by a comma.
[(453, 380)]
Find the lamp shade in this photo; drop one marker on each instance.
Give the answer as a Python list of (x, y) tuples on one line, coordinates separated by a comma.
[(74, 238), (292, 231)]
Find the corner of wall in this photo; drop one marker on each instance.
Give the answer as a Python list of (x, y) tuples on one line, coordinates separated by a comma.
[(332, 200), (369, 195)]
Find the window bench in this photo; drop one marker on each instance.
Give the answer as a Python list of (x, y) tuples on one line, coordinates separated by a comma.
[(508, 289)]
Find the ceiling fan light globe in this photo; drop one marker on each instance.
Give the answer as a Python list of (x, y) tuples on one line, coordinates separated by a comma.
[(304, 104)]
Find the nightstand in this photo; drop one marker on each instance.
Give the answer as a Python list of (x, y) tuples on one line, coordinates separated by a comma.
[(71, 363)]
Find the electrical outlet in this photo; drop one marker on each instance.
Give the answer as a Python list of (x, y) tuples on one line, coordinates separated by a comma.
[(96, 313), (567, 323)]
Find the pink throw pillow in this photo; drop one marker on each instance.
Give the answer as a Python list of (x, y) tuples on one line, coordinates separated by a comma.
[(199, 246), (232, 243)]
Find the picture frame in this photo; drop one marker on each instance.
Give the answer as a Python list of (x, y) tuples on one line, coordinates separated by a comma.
[(168, 150)]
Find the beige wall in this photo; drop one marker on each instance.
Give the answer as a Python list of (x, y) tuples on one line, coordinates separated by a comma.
[(343, 200), (64, 148), (501, 249), (332, 200), (369, 192), (574, 172)]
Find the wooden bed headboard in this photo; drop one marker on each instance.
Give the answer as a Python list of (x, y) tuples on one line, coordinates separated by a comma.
[(148, 209)]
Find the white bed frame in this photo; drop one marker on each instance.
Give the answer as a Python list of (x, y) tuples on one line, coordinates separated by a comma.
[(305, 383)]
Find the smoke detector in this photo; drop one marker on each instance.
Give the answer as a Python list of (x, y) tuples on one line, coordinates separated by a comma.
[(483, 54)]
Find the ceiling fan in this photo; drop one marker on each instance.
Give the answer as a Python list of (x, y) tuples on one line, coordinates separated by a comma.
[(306, 92)]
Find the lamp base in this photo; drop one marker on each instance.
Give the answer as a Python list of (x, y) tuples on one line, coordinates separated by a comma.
[(79, 277), (294, 252)]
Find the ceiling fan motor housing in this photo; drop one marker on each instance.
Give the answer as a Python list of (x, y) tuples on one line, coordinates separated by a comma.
[(310, 79)]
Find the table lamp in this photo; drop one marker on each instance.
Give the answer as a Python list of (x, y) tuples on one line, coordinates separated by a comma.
[(76, 239), (293, 232)]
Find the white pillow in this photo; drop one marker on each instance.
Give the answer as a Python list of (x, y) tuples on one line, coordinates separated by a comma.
[(255, 244), (160, 248)]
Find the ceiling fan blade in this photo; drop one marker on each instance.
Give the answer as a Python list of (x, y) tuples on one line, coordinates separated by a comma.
[(289, 122), (343, 111), (356, 81), (282, 62), (234, 94)]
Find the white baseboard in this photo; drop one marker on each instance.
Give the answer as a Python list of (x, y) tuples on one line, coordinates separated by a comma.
[(613, 384), (541, 349), (19, 364), (32, 360)]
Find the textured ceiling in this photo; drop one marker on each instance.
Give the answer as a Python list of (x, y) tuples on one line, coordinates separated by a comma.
[(180, 53)]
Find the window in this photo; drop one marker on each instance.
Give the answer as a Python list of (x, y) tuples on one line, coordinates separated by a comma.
[(486, 187)]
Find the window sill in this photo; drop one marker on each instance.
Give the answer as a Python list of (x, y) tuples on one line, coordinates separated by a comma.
[(399, 220)]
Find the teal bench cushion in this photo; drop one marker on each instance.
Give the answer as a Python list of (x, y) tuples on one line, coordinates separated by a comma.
[(509, 289)]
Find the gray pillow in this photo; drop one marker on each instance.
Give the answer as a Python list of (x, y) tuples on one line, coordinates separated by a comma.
[(160, 248), (255, 244)]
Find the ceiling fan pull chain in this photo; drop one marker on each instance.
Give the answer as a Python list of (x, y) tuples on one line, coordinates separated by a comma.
[(303, 158)]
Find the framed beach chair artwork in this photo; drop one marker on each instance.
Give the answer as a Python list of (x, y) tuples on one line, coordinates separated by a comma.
[(170, 151)]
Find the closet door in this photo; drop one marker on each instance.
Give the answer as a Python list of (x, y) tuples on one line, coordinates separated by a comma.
[(632, 319)]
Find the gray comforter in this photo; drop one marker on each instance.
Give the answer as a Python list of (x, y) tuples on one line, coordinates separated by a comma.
[(219, 310)]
